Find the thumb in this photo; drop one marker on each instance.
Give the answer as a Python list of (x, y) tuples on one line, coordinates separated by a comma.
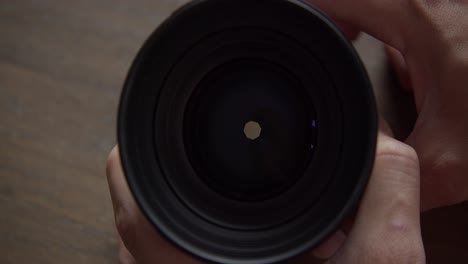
[(387, 226), (140, 239)]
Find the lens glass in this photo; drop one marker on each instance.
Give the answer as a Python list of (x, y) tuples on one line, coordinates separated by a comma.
[(250, 129)]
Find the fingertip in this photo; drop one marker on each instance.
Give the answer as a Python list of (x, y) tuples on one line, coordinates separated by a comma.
[(399, 66), (384, 127), (113, 160), (351, 32), (371, 17), (393, 190), (125, 257), (388, 146), (328, 248), (348, 223), (119, 191)]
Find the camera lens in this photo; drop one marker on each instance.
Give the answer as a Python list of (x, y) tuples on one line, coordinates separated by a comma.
[(247, 129)]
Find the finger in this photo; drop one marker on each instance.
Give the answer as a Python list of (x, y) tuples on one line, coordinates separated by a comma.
[(330, 246), (125, 257), (392, 195), (388, 217), (140, 238), (384, 127), (348, 224), (384, 19), (351, 32), (398, 63), (120, 194)]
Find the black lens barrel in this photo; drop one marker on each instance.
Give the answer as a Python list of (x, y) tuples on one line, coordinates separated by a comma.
[(210, 70)]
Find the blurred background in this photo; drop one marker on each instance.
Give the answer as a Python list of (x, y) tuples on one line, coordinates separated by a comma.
[(62, 66)]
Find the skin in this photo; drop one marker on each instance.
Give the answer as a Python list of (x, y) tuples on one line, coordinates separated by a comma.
[(427, 42), (390, 209)]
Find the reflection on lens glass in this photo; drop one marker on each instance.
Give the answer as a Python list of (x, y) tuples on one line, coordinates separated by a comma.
[(252, 130)]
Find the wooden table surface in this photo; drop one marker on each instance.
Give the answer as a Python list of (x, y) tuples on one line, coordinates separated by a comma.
[(62, 65)]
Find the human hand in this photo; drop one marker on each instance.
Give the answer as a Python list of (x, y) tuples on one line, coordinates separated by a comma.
[(386, 228), (139, 241), (428, 42)]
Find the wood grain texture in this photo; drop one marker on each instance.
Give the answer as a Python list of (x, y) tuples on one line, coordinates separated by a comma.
[(62, 65)]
